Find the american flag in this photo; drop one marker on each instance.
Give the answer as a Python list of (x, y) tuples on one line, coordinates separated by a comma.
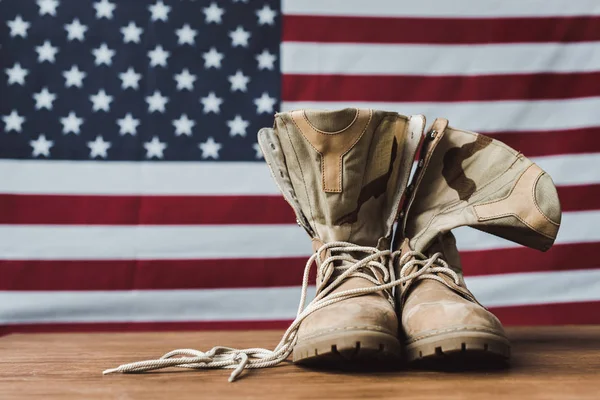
[(132, 191)]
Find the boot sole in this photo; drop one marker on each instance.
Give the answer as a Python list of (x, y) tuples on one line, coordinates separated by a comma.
[(478, 348), (342, 347)]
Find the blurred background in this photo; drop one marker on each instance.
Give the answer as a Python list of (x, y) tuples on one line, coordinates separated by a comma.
[(133, 195)]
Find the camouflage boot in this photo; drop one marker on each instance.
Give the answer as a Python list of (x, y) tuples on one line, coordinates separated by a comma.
[(464, 178), (344, 174)]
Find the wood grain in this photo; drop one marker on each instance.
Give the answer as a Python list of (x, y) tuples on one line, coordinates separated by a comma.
[(548, 363)]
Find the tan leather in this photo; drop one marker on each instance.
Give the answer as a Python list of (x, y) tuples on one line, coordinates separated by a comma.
[(521, 203), (345, 179), (473, 180), (432, 308), (332, 146), (372, 312), (465, 178), (375, 169)]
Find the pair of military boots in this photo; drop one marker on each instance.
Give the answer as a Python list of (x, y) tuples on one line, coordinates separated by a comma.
[(379, 195)]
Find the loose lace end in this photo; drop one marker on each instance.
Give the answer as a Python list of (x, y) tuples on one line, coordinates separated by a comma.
[(110, 371)]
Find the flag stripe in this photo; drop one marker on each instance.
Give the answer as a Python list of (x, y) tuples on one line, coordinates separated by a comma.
[(142, 326), (166, 178), (144, 210), (521, 259), (362, 29), (190, 210), (435, 60), (546, 143), (539, 314), (487, 116), (265, 303), (441, 8), (550, 314), (75, 275), (163, 242), (90, 178), (407, 88)]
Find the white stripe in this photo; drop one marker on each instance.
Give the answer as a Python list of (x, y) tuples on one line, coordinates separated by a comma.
[(488, 116), (97, 178), (264, 303), (436, 60), (536, 288), (113, 178), (41, 242), (150, 305), (442, 8), (35, 242)]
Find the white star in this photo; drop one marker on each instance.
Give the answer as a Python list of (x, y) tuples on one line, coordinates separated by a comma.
[(266, 15), (130, 79), (213, 13), (103, 55), (13, 121), (47, 7), (266, 60), (183, 125), (46, 52), (258, 151), (237, 126), (75, 30), (101, 101), (16, 74), (159, 11), (239, 37), (185, 80), (41, 146), (131, 33), (210, 148), (211, 103), (18, 27), (74, 77), (158, 56), (104, 8), (155, 148), (264, 104), (98, 148), (128, 124), (71, 123), (239, 81), (186, 35), (44, 99), (212, 58), (156, 102)]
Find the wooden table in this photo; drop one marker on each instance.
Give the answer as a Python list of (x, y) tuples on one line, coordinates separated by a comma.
[(548, 363)]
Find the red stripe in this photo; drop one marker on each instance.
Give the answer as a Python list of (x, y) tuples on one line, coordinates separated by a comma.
[(215, 274), (547, 143), (521, 259), (143, 210), (189, 210), (142, 326), (549, 314), (545, 314), (343, 29), (405, 88), (151, 274), (579, 198)]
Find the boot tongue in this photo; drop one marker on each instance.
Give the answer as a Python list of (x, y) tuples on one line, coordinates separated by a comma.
[(343, 172)]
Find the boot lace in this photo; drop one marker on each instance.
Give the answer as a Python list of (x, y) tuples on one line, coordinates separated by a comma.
[(341, 264), (428, 268)]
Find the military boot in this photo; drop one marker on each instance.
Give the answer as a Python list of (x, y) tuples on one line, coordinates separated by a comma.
[(464, 179), (344, 173)]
